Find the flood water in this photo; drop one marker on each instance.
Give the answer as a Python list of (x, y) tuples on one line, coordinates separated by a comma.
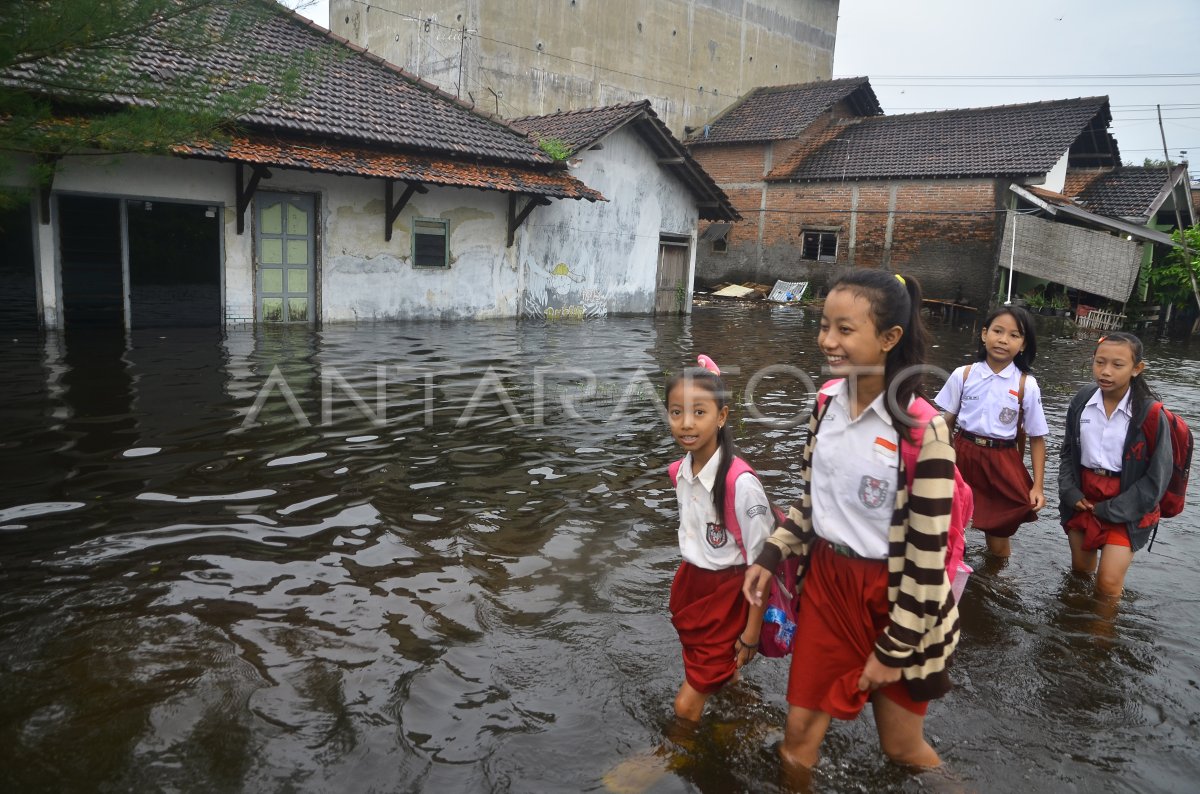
[(459, 582)]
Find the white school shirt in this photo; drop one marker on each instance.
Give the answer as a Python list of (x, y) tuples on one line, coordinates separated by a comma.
[(703, 539), (988, 405), (855, 469), (1102, 437)]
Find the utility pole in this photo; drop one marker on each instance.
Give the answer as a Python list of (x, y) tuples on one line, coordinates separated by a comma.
[(1187, 254)]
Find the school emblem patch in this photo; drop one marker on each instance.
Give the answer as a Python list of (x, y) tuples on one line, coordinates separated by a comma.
[(1008, 415), (717, 536), (872, 492)]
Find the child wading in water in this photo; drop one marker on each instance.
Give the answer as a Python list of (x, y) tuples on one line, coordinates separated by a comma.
[(988, 400), (1109, 481), (718, 629), (876, 620)]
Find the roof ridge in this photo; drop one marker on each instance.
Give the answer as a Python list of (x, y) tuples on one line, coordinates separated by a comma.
[(637, 103), (1099, 99), (790, 86), (379, 60)]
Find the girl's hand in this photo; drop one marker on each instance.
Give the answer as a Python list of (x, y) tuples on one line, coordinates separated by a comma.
[(744, 651), (756, 584), (1084, 504), (1037, 499), (876, 674)]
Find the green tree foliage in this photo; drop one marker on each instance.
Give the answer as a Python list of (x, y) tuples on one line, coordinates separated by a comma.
[(1172, 279), (122, 76)]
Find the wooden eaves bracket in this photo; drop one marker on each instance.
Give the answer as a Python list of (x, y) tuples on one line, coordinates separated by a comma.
[(393, 210), (515, 219), (244, 194)]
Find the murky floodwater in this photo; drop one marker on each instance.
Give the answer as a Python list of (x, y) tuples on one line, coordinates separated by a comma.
[(459, 582)]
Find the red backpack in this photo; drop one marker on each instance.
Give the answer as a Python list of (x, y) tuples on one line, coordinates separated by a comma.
[(779, 620), (1181, 454), (962, 506)]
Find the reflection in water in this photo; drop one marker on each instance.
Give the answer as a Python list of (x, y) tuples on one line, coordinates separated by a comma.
[(346, 584)]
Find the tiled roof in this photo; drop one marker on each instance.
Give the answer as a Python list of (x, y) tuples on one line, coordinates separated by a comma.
[(416, 167), (352, 95), (780, 112), (1006, 140), (1124, 192), (579, 129)]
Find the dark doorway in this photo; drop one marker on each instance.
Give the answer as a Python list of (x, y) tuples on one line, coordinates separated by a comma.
[(89, 232), (18, 271), (174, 264)]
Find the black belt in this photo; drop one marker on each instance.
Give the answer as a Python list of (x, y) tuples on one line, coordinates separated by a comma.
[(1105, 472), (842, 550), (984, 441)]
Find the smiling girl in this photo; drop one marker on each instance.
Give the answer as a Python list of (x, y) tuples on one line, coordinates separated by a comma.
[(876, 620), (992, 402), (1109, 481), (719, 631)]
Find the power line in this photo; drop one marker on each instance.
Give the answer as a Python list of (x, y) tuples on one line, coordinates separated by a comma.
[(1127, 76)]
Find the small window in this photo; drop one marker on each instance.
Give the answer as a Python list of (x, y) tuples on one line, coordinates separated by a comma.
[(720, 245), (819, 246), (430, 242), (717, 235)]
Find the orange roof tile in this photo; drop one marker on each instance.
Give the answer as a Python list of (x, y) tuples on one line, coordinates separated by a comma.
[(416, 167)]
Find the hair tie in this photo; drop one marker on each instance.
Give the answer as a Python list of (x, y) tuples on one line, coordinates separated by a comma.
[(900, 278), (708, 364)]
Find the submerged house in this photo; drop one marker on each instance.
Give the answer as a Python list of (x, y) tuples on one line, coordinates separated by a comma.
[(825, 180), (640, 245), (369, 195)]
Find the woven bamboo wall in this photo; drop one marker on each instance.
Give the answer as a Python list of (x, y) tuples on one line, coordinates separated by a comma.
[(1080, 258)]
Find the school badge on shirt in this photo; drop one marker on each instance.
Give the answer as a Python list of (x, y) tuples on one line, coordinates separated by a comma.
[(717, 536), (1007, 416), (872, 491)]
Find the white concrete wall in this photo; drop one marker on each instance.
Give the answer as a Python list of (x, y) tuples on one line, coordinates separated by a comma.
[(608, 250), (1056, 178)]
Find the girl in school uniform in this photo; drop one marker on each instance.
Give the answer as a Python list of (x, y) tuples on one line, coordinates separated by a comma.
[(1109, 482), (717, 628), (992, 402), (876, 620)]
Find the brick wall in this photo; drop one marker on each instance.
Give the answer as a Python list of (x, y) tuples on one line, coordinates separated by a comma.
[(943, 231)]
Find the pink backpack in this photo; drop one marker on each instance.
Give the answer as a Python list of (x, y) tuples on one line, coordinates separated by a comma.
[(961, 508), (779, 620)]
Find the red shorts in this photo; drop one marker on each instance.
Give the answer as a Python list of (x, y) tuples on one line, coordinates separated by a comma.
[(709, 612), (843, 610), (1097, 533), (1000, 483)]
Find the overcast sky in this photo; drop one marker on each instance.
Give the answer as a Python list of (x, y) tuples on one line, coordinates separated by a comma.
[(912, 50)]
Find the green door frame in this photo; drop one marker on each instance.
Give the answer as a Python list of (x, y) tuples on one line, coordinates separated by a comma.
[(284, 258)]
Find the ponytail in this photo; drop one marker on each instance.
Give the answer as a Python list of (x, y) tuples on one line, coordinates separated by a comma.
[(895, 300)]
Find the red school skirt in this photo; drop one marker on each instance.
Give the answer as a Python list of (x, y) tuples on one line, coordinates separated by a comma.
[(1097, 533), (843, 610), (1000, 483), (709, 612)]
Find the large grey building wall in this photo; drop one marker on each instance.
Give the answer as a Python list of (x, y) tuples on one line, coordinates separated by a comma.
[(691, 58)]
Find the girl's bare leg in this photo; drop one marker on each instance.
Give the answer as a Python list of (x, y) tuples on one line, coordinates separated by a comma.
[(902, 734), (689, 703), (1082, 561), (1114, 563), (802, 739), (999, 547)]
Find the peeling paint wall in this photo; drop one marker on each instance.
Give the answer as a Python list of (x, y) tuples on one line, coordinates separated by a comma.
[(691, 58), (584, 259), (571, 258)]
